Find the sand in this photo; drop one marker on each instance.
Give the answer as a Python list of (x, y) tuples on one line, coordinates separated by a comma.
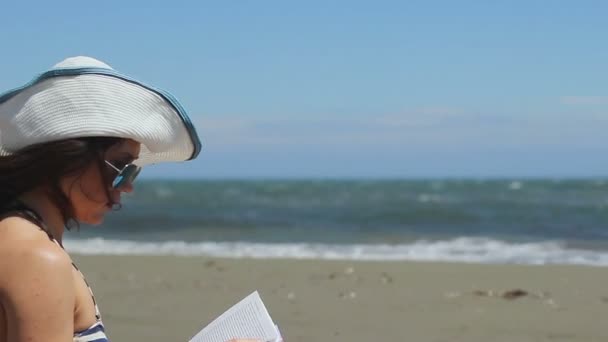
[(170, 298)]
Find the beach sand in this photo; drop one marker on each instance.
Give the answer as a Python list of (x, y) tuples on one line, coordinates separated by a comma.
[(170, 298)]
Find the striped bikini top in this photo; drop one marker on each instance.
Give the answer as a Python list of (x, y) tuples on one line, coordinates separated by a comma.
[(96, 332)]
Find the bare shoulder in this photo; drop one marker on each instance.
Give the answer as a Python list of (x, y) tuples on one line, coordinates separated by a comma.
[(37, 290), (17, 228), (26, 249)]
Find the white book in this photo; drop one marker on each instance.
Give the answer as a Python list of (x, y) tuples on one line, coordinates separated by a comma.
[(246, 319)]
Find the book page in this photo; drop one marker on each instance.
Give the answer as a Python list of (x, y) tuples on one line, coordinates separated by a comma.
[(246, 319)]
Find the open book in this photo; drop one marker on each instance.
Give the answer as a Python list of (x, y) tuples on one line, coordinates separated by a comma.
[(246, 319)]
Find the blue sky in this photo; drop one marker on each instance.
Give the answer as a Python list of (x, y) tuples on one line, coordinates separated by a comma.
[(349, 88)]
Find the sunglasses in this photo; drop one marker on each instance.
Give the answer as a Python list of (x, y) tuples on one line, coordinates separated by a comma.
[(125, 176)]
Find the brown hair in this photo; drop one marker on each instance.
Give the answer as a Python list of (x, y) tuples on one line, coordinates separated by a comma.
[(46, 164)]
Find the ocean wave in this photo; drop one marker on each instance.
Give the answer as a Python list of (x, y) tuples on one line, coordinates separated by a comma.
[(464, 249)]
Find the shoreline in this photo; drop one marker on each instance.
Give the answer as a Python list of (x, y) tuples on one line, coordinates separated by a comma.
[(459, 249)]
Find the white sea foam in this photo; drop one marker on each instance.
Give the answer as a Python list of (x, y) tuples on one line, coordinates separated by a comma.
[(515, 185), (473, 250)]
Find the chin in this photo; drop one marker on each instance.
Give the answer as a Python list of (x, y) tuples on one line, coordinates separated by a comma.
[(95, 223), (93, 220)]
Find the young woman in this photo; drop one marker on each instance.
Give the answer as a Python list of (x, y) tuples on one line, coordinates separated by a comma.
[(71, 142)]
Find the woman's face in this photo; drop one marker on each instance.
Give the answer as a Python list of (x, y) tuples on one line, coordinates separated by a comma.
[(89, 193)]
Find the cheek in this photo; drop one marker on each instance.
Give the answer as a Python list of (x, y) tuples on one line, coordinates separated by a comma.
[(86, 192), (92, 185)]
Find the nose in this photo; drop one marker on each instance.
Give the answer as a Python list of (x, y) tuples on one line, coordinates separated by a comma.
[(128, 188)]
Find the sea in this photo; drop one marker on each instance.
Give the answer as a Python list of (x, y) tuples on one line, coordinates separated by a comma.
[(501, 221)]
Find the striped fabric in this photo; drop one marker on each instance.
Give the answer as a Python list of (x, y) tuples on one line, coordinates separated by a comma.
[(96, 333)]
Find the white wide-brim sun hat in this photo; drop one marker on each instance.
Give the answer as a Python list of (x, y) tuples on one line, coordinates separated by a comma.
[(84, 97)]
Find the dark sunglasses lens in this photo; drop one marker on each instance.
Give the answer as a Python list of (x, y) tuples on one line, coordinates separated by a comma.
[(135, 173), (126, 176)]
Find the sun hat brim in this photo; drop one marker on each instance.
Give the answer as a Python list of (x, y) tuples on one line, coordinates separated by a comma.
[(72, 101)]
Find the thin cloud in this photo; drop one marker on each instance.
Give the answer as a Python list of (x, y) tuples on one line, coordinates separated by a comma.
[(415, 130), (584, 100)]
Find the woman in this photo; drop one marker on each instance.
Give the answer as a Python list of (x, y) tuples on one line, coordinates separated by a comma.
[(71, 142)]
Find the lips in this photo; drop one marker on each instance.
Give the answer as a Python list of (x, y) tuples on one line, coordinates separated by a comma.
[(110, 205)]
